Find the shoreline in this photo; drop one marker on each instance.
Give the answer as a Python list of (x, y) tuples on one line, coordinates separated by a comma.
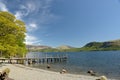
[(21, 72)]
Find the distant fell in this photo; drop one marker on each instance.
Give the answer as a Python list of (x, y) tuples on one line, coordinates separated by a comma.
[(37, 47), (108, 45), (91, 46), (64, 47)]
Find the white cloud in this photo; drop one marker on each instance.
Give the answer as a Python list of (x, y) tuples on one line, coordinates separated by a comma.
[(31, 7), (32, 27), (18, 15), (25, 10), (22, 7), (36, 13), (32, 40), (22, 13), (47, 17), (3, 7)]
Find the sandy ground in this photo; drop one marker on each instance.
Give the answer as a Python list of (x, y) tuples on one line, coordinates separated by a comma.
[(20, 72)]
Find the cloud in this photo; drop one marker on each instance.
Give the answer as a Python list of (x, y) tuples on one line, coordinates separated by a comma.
[(32, 27), (23, 12), (3, 7), (31, 7), (26, 9), (32, 40), (47, 17), (18, 15), (35, 14), (38, 11)]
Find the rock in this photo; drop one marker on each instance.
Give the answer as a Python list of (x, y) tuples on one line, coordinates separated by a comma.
[(48, 66), (63, 71), (91, 72), (102, 78)]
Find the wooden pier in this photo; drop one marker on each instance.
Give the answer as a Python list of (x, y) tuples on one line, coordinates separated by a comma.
[(35, 60)]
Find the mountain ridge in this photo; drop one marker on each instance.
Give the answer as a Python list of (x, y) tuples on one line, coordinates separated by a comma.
[(107, 45), (91, 46)]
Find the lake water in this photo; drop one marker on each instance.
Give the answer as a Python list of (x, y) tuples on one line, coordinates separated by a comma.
[(102, 62)]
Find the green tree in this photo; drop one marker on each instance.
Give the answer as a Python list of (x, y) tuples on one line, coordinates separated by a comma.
[(12, 35)]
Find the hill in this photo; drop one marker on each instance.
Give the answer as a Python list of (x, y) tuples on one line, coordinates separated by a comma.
[(92, 46), (42, 48), (108, 45), (64, 47), (37, 47)]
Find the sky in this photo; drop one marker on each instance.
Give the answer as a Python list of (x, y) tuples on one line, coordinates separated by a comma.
[(66, 22)]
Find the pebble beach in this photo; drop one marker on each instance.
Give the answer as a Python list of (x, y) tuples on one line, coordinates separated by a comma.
[(21, 72)]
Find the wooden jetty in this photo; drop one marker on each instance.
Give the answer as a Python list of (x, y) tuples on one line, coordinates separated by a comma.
[(34, 60)]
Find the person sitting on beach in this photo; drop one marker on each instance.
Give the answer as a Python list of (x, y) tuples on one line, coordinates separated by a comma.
[(63, 71), (91, 72)]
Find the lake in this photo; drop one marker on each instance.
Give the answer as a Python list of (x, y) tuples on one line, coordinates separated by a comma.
[(102, 62)]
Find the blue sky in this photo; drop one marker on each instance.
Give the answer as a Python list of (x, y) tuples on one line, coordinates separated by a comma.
[(66, 22)]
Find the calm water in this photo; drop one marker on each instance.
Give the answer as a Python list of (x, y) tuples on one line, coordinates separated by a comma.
[(102, 62)]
